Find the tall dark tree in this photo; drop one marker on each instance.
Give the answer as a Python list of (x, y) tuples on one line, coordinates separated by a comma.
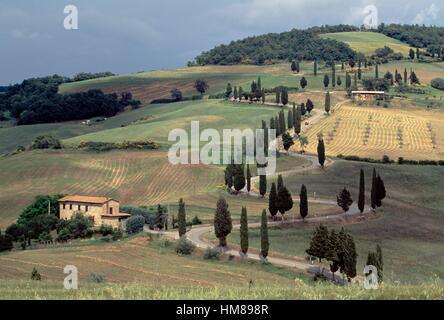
[(244, 231), (321, 152), (380, 264), (280, 182), (238, 177), (411, 54), (380, 191), (361, 198), (303, 204), (284, 97), (263, 185), (278, 97), (284, 201), (248, 178), (309, 105), (374, 192), (319, 243), (347, 81), (359, 74), (333, 74), (272, 201), (303, 109), (332, 252), (351, 258), (293, 66), (377, 71), (182, 219), (327, 104), (228, 91), (326, 81), (405, 76), (303, 82), (339, 81), (265, 243), (290, 119), (222, 222), (287, 141), (315, 68), (344, 200), (229, 172)]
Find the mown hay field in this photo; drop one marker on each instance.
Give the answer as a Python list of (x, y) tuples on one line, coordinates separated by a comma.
[(368, 42), (375, 131)]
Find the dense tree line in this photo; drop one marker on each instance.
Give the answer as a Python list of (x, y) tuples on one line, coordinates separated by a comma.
[(38, 101), (295, 44)]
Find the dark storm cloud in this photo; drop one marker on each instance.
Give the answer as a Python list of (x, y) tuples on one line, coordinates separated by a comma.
[(134, 35)]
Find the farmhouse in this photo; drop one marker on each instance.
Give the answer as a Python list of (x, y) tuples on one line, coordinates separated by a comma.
[(368, 95), (102, 211)]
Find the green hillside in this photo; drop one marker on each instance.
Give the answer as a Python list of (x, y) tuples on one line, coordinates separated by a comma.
[(368, 42)]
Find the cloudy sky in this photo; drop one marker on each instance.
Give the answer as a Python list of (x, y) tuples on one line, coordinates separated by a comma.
[(126, 36)]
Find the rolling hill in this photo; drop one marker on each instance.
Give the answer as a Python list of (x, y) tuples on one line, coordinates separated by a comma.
[(367, 42)]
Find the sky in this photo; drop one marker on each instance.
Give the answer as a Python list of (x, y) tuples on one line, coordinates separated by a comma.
[(127, 36)]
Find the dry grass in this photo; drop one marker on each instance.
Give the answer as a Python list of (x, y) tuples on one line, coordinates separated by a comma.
[(374, 132)]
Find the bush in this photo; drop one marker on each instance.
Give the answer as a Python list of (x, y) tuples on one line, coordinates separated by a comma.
[(106, 230), (438, 83), (195, 222), (184, 246), (5, 242), (117, 235), (46, 142), (212, 254), (35, 275), (97, 277), (64, 235), (135, 224)]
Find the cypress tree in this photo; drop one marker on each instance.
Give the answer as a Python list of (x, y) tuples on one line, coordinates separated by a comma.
[(235, 94), (380, 262), (278, 126), (374, 192), (297, 124), (229, 171), (319, 243), (241, 92), (244, 231), (272, 201), (265, 244), (303, 82), (222, 222), (339, 81), (347, 81), (278, 97), (284, 201), (294, 114), (377, 71), (309, 105), (380, 191), (181, 217), (238, 177), (315, 68), (333, 74), (259, 85), (248, 178), (326, 81), (332, 252), (359, 74), (321, 152), (351, 258), (263, 185), (344, 200), (405, 76), (327, 103), (282, 124), (280, 182), (284, 97), (263, 96), (303, 204), (293, 66), (303, 109), (361, 200), (290, 119)]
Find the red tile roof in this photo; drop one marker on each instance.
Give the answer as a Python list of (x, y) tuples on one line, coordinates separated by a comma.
[(82, 199)]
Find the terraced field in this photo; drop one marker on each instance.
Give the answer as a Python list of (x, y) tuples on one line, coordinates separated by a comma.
[(374, 132)]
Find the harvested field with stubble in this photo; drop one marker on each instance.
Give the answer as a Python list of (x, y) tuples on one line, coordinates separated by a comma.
[(134, 178), (376, 131), (142, 260)]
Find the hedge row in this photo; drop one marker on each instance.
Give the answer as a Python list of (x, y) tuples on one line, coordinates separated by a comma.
[(387, 160)]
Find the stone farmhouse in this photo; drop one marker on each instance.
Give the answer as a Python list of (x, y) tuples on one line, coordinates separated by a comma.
[(101, 210)]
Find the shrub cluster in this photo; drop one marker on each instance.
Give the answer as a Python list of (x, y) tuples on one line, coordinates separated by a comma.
[(387, 160), (173, 100), (126, 145)]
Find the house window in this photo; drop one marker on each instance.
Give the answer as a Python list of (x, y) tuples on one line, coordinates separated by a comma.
[(70, 207), (110, 211), (64, 206), (78, 208), (86, 208)]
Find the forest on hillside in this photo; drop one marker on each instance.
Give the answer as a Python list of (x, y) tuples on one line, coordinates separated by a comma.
[(307, 45)]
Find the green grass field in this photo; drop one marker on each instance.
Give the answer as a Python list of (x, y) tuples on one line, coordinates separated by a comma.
[(368, 42), (410, 228)]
